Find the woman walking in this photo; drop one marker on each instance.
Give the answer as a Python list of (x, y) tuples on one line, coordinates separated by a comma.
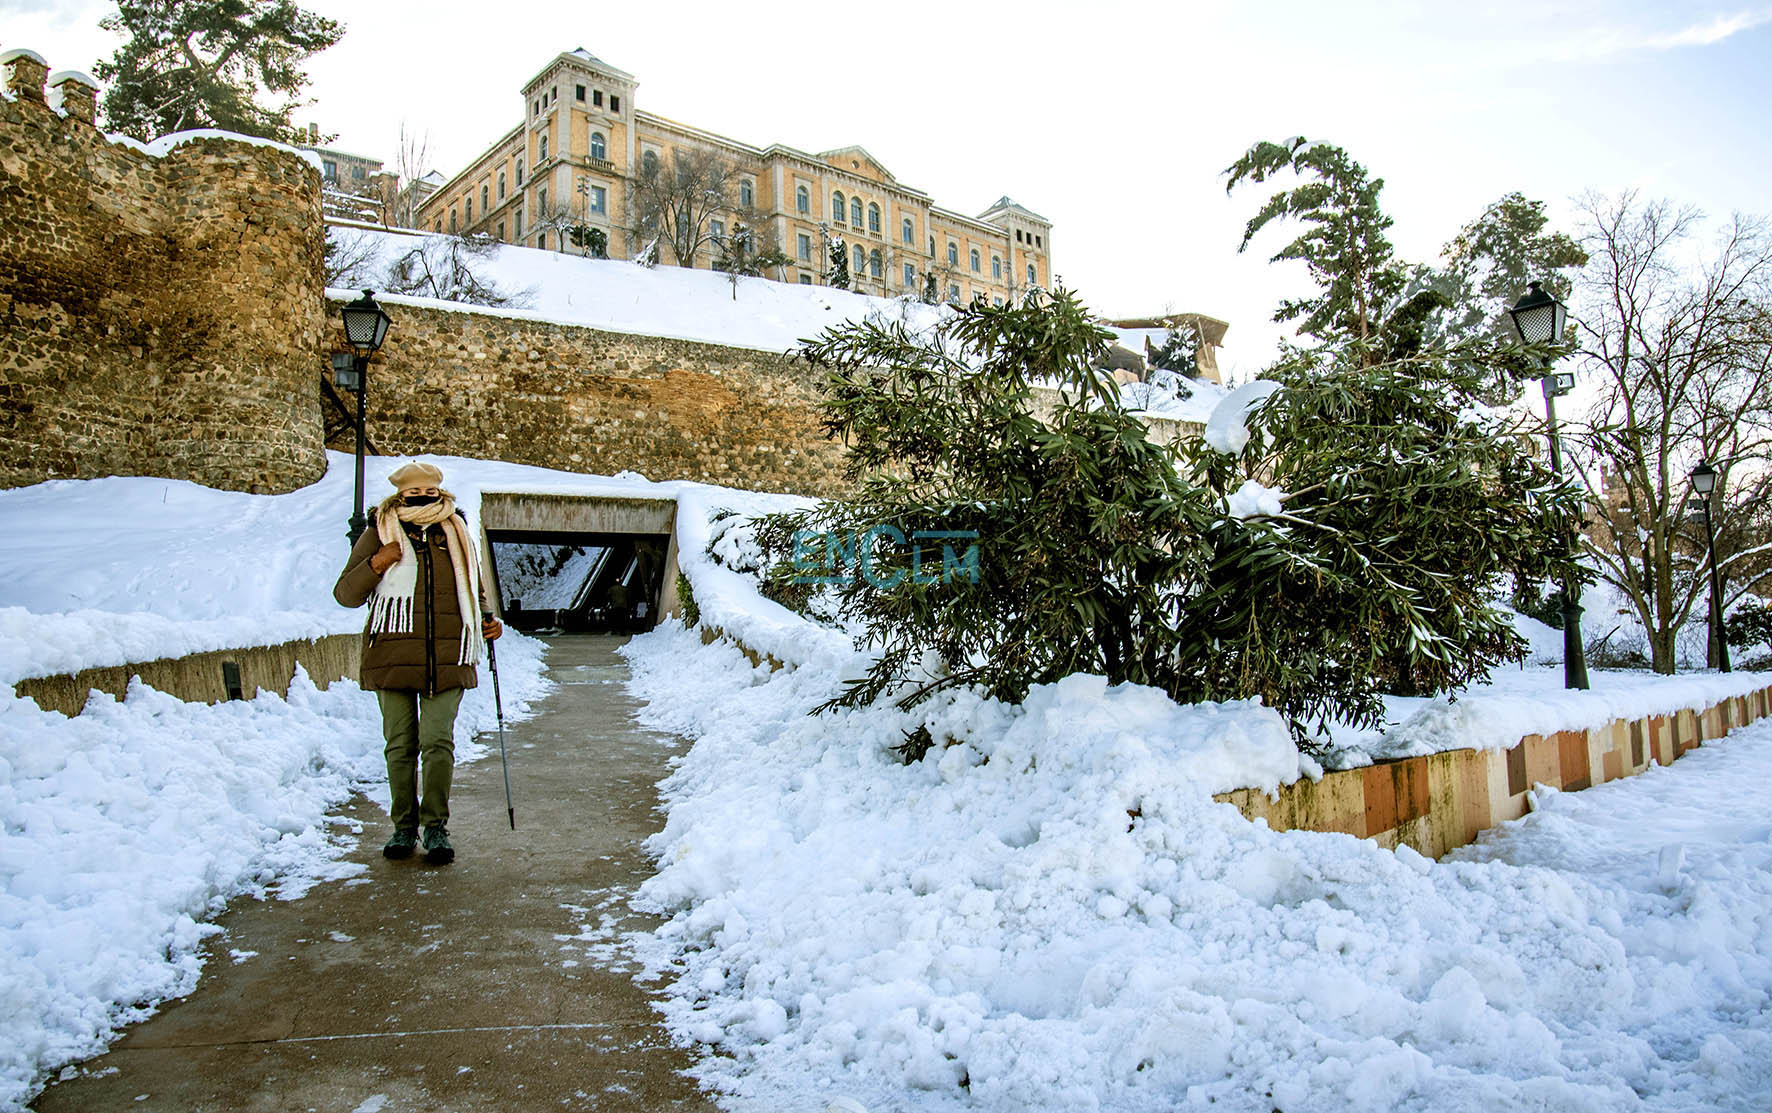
[(418, 570)]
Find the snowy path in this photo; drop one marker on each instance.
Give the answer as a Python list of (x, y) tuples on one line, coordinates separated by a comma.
[(491, 984)]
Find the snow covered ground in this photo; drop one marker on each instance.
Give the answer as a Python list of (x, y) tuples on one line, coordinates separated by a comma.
[(1055, 915)]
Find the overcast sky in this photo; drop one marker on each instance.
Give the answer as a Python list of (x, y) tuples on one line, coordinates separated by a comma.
[(1114, 120)]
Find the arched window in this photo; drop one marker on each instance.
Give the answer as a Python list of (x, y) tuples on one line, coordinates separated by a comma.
[(802, 200), (860, 260), (997, 266), (747, 193), (544, 149), (837, 209), (470, 216), (485, 192), (974, 260), (452, 222), (855, 211), (907, 231), (1030, 274), (874, 262), (599, 146), (932, 247), (501, 185), (874, 218), (953, 254), (649, 163)]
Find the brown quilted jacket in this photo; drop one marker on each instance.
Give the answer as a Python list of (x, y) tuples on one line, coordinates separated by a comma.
[(424, 660)]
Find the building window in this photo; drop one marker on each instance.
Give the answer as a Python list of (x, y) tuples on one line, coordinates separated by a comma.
[(907, 231), (997, 267), (804, 243), (517, 229), (452, 228), (501, 185), (599, 146), (910, 275), (1038, 242), (718, 228), (543, 207), (544, 149), (469, 219), (1030, 274), (537, 107), (954, 292), (599, 199), (855, 212), (357, 173), (859, 261), (802, 200), (953, 254), (837, 209), (649, 163), (874, 218), (614, 103), (501, 231), (485, 199), (541, 241), (997, 302), (974, 261), (439, 225), (597, 98), (519, 171), (747, 193), (1018, 235), (581, 93), (329, 169), (875, 263), (805, 280)]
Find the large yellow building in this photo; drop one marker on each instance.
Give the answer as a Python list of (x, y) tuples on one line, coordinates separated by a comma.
[(583, 144)]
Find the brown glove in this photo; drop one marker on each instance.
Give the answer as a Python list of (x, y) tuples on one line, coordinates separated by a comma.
[(491, 628), (385, 558)]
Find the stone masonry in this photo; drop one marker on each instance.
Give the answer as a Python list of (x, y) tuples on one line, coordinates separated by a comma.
[(157, 314)]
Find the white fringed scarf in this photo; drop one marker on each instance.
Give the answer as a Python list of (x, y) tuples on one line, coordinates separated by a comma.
[(390, 605)]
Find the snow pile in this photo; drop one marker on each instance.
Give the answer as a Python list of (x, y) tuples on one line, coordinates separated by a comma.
[(1253, 500), (1052, 914), (123, 828), (1227, 429)]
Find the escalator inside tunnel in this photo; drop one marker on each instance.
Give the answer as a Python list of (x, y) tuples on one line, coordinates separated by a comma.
[(585, 583)]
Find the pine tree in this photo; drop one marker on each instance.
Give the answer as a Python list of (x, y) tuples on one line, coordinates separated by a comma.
[(204, 64), (1343, 245)]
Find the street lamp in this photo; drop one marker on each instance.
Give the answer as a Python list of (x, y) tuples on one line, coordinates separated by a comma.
[(1704, 481), (366, 326), (1538, 317)]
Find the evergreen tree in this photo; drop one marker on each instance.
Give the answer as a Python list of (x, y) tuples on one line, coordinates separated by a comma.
[(1343, 245), (838, 253), (204, 64), (1179, 352), (1493, 259), (931, 289)]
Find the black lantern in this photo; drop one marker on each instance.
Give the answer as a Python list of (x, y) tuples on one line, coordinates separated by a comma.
[(1704, 483), (366, 324), (1538, 316)]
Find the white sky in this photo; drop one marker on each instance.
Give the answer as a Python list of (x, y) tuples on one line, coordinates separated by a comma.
[(1115, 120)]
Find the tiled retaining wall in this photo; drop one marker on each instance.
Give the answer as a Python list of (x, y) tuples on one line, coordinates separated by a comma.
[(1439, 802), (199, 678)]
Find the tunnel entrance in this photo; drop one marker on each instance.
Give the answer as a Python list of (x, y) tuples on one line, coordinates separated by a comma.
[(580, 563), (597, 583)]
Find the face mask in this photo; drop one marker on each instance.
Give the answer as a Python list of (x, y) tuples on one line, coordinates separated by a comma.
[(418, 500)]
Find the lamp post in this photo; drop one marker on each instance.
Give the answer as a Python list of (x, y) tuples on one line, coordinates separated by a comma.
[(1539, 317), (1704, 481), (366, 326)]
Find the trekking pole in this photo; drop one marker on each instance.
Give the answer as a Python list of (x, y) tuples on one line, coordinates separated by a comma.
[(498, 705)]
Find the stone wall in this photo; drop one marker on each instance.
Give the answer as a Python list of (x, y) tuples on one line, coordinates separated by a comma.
[(157, 314), (580, 399)]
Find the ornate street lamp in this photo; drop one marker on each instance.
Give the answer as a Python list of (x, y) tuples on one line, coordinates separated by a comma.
[(1538, 317), (366, 326), (1704, 481)]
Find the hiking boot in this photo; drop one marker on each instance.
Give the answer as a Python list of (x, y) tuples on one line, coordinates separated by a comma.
[(400, 846), (438, 852)]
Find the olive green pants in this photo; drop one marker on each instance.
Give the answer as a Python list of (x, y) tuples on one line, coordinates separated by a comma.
[(416, 726)]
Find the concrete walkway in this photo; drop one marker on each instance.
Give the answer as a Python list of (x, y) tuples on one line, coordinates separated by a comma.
[(488, 985)]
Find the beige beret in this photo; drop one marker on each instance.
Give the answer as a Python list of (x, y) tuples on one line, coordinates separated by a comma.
[(415, 474)]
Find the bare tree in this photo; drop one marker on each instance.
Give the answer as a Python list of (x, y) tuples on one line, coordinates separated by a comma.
[(678, 203), (412, 161), (748, 253), (449, 267), (350, 256), (1679, 343)]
